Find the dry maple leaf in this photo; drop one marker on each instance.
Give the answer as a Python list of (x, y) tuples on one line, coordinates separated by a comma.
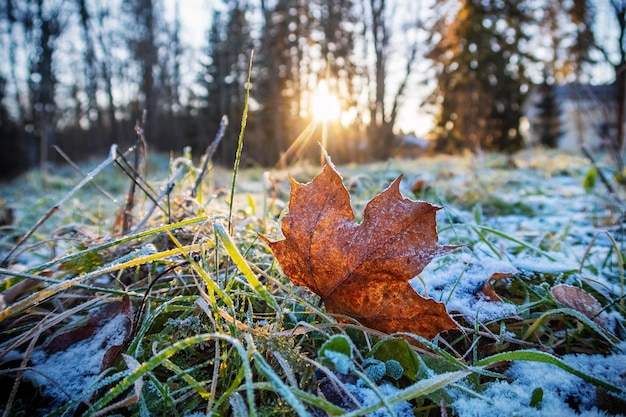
[(362, 270)]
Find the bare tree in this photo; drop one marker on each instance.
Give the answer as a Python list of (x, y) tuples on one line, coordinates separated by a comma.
[(383, 120), (42, 80), (105, 42), (143, 45), (91, 71)]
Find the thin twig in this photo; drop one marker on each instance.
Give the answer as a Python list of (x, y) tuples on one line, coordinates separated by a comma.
[(130, 200), (179, 163), (208, 155), (133, 174), (81, 172)]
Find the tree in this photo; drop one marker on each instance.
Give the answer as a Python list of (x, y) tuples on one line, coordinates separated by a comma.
[(91, 65), (480, 74), (278, 77), (615, 54), (45, 27), (619, 65), (143, 45), (333, 33), (13, 156), (383, 117), (225, 74), (302, 43), (488, 54), (565, 29)]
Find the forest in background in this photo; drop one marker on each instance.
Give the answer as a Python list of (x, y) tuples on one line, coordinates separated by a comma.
[(80, 74)]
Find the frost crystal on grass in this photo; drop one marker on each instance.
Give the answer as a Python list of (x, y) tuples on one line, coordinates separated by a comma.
[(561, 389), (368, 397)]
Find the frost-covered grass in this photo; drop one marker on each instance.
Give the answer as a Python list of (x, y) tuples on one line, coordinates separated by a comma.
[(183, 316)]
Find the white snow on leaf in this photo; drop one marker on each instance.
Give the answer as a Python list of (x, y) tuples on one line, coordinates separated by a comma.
[(73, 371)]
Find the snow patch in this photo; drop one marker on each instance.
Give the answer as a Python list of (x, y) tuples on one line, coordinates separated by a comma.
[(457, 279), (561, 389), (73, 371), (368, 397), (544, 265)]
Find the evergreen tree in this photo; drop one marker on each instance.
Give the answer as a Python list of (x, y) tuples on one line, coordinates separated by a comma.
[(480, 74), (225, 74)]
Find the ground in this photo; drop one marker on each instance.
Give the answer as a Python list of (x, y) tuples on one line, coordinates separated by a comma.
[(542, 248)]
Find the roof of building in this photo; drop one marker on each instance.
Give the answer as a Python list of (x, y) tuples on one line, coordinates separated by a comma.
[(578, 92)]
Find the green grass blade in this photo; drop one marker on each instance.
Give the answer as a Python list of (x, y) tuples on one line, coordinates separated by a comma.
[(188, 378), (514, 240), (308, 398), (419, 389), (211, 285), (536, 356), (167, 353), (278, 385), (244, 118), (243, 266), (576, 314), (44, 294), (121, 240)]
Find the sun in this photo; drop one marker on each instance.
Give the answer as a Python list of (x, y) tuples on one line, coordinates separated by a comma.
[(325, 105)]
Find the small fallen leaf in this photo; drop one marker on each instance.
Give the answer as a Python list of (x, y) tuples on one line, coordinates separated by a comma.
[(93, 324), (488, 290), (362, 270), (419, 186), (579, 300)]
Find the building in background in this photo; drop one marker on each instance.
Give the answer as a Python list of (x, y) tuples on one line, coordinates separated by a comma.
[(586, 116)]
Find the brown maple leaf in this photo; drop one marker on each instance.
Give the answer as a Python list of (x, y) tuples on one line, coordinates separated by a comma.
[(362, 270)]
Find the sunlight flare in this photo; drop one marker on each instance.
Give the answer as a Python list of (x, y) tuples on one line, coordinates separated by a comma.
[(325, 105)]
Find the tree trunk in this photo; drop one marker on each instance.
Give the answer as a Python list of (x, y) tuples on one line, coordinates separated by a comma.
[(43, 90), (376, 130)]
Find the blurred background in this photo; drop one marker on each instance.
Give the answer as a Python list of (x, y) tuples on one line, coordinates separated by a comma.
[(369, 79)]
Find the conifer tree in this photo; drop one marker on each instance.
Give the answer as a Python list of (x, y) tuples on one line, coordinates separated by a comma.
[(481, 70)]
